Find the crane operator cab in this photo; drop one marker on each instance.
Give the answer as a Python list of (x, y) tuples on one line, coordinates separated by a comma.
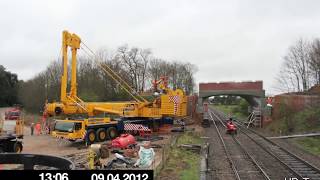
[(231, 127)]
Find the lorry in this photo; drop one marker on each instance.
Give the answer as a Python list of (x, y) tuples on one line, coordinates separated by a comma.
[(13, 113), (11, 135), (97, 121)]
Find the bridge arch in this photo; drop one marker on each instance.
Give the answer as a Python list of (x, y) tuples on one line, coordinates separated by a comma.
[(252, 92)]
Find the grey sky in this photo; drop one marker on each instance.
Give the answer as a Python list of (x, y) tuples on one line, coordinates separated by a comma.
[(228, 40)]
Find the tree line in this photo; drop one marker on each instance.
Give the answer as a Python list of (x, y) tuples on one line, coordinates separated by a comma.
[(137, 66), (8, 87), (225, 100), (301, 67)]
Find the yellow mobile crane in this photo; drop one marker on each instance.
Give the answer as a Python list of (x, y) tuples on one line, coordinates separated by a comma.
[(170, 103)]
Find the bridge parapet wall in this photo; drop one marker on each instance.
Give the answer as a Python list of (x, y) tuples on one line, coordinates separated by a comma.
[(245, 85)]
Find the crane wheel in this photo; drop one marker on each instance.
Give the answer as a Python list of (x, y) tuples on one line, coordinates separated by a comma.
[(101, 134), (112, 132), (17, 147), (91, 136)]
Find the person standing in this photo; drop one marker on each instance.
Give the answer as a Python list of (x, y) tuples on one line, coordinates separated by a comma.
[(38, 128), (183, 125), (32, 128)]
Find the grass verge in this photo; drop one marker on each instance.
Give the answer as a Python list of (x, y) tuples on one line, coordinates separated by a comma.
[(183, 164), (230, 110), (310, 144), (296, 122)]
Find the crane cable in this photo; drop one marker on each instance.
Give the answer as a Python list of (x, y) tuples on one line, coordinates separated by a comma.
[(113, 75)]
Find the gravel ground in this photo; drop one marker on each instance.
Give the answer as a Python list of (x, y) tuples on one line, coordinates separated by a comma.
[(270, 165), (218, 162), (221, 168), (246, 168)]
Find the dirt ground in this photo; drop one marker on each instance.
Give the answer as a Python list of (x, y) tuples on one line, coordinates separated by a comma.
[(44, 144), (75, 151)]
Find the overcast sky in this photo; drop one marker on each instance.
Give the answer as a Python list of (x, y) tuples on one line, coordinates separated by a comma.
[(227, 40)]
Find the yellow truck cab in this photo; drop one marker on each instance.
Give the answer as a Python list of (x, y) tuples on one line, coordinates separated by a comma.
[(90, 130)]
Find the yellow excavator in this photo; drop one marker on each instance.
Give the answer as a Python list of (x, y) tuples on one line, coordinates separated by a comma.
[(92, 127)]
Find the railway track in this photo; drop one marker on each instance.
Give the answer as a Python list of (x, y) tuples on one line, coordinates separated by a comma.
[(298, 167), (232, 164), (243, 164)]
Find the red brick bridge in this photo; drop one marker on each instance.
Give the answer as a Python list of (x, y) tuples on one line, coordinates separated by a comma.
[(252, 91)]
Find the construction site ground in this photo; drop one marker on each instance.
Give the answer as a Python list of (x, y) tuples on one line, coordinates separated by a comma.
[(77, 151)]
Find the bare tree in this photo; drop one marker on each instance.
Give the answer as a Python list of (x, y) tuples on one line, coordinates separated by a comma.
[(52, 77), (315, 60), (145, 55), (295, 71), (285, 81), (135, 65), (157, 68), (128, 58), (135, 61), (181, 75)]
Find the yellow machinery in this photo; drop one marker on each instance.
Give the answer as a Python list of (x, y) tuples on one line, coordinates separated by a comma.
[(170, 103)]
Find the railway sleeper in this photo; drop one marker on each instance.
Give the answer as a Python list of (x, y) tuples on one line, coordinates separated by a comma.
[(311, 176), (297, 167), (284, 155), (296, 164), (303, 169), (307, 170), (306, 173), (290, 159)]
